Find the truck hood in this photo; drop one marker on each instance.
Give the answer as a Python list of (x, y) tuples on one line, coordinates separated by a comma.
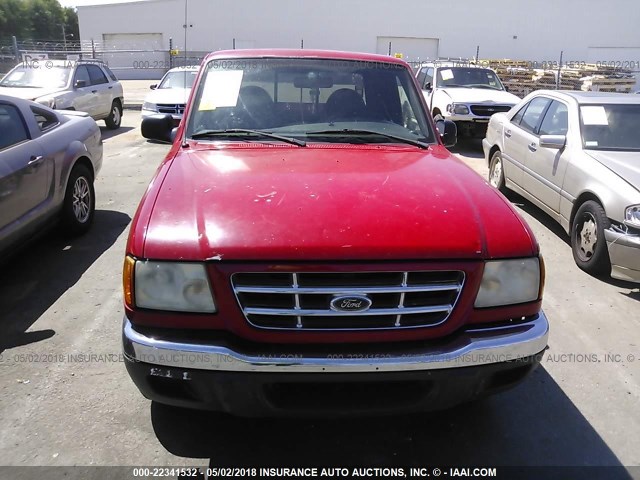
[(481, 95), (328, 202), (168, 95), (624, 164), (27, 93)]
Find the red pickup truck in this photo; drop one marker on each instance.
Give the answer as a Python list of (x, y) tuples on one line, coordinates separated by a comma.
[(309, 246)]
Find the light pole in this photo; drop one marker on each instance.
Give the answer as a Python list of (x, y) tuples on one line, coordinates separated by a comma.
[(65, 35)]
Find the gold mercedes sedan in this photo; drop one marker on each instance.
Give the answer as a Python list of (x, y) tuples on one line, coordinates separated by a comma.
[(576, 155)]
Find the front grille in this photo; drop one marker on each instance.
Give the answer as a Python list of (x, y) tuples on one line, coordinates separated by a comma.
[(303, 301), (174, 109), (488, 110)]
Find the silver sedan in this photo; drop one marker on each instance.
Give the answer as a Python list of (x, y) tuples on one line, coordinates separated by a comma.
[(576, 155), (48, 162)]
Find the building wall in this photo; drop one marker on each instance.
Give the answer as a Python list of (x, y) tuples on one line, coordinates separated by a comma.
[(537, 30)]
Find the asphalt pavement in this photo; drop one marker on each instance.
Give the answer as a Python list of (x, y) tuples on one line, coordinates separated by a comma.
[(135, 91)]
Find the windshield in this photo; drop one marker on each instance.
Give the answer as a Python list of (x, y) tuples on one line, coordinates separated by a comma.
[(310, 100), (610, 127), (183, 79), (37, 76), (468, 77)]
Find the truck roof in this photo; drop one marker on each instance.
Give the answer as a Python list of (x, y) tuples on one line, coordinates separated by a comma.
[(303, 53)]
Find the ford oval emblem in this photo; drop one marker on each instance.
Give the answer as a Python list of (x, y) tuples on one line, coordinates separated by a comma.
[(351, 303)]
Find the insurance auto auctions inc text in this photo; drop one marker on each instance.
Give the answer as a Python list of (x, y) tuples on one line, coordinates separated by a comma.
[(359, 472)]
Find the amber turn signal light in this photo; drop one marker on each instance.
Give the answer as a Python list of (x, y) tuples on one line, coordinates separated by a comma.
[(127, 280), (543, 275)]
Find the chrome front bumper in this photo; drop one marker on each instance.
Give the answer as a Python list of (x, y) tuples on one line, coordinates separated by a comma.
[(467, 118), (624, 253), (472, 347)]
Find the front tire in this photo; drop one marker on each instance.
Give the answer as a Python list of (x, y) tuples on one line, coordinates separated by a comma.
[(496, 172), (587, 239), (79, 202), (114, 119)]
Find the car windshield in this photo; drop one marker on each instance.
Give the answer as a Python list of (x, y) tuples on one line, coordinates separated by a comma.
[(180, 79), (309, 100), (37, 75), (610, 127), (468, 77)]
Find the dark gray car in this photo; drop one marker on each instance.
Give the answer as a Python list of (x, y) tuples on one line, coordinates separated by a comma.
[(48, 162)]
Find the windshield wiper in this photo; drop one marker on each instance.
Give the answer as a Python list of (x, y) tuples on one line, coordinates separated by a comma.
[(482, 85), (389, 136), (247, 131)]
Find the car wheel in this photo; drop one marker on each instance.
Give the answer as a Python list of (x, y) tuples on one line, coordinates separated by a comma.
[(114, 119), (587, 239), (79, 201), (496, 172)]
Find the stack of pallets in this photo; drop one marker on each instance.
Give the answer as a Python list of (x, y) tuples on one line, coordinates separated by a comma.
[(521, 78), (601, 83)]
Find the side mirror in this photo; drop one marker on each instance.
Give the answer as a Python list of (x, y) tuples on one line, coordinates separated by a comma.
[(427, 86), (153, 87), (80, 84), (448, 132), (553, 141), (158, 127)]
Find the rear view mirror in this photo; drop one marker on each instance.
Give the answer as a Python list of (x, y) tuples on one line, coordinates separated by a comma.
[(313, 80), (153, 87), (80, 83), (427, 86), (553, 141), (158, 127), (448, 132)]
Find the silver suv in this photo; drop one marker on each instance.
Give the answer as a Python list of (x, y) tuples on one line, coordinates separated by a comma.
[(83, 85)]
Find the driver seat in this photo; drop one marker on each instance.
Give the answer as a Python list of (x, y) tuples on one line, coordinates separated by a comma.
[(344, 104), (258, 107)]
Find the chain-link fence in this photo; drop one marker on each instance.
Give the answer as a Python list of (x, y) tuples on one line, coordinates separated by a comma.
[(129, 61), (150, 60), (522, 77)]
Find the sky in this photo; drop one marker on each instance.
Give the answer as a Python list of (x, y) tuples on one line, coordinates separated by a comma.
[(77, 3)]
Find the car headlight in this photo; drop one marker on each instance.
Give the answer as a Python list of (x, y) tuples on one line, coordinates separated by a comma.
[(458, 109), (179, 287), (507, 282), (632, 216), (150, 106), (47, 101)]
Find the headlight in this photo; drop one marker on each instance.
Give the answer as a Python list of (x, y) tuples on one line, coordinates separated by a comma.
[(458, 109), (150, 106), (47, 101), (507, 282), (179, 287), (632, 216)]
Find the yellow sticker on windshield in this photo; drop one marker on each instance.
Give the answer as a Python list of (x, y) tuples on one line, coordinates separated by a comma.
[(221, 89)]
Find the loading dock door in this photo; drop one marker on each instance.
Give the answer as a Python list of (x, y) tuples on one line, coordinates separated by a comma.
[(413, 49), (136, 55)]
